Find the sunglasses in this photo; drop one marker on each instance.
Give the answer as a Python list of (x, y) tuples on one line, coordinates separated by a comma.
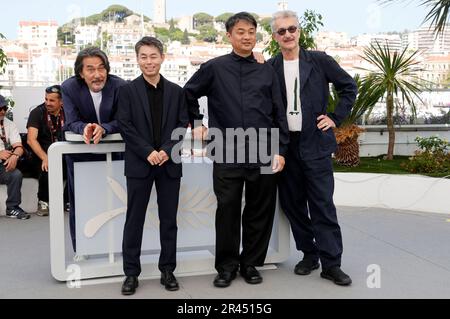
[(3, 108), (291, 29), (53, 89)]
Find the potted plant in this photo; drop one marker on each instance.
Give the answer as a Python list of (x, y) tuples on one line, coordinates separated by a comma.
[(347, 152)]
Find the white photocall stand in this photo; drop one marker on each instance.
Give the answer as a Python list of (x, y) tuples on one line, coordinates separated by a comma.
[(100, 202)]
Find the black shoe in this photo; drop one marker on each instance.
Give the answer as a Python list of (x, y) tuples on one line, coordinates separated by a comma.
[(224, 278), (336, 275), (129, 285), (17, 213), (169, 281), (305, 266), (251, 275)]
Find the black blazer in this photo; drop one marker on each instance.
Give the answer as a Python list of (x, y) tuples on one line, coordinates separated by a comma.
[(317, 71), (135, 123)]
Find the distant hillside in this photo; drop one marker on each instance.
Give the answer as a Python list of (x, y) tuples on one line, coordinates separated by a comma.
[(112, 13)]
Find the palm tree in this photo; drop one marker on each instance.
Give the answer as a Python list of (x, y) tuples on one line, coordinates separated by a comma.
[(395, 76), (347, 152), (438, 14)]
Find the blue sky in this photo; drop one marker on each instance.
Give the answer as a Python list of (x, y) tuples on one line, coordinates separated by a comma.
[(351, 16)]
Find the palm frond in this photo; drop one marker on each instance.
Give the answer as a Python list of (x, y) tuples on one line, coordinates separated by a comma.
[(438, 14), (395, 73)]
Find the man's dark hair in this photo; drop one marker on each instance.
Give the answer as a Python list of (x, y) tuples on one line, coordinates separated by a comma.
[(87, 53), (231, 22), (54, 89), (149, 41)]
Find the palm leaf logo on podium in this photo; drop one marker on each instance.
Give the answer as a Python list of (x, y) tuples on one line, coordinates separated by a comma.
[(196, 209)]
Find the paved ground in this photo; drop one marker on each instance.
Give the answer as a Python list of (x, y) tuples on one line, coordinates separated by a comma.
[(411, 249)]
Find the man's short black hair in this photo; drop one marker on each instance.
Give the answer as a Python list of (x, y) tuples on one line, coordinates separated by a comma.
[(149, 41), (54, 89), (231, 22), (87, 53)]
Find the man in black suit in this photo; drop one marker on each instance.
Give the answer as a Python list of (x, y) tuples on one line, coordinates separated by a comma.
[(150, 108), (307, 183)]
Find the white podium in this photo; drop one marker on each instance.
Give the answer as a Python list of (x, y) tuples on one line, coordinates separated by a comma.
[(101, 201)]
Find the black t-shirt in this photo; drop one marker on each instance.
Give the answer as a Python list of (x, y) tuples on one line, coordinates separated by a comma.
[(38, 120)]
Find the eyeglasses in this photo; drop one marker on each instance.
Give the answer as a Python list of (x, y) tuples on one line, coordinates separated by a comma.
[(291, 29), (53, 89)]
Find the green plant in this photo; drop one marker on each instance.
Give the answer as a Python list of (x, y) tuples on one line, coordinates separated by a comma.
[(365, 101), (438, 13), (395, 76), (347, 152), (3, 57), (309, 23), (432, 144), (433, 156)]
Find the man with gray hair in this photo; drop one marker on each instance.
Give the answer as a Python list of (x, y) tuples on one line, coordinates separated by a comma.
[(90, 100), (307, 184)]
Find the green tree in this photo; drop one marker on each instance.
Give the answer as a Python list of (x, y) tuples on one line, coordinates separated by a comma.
[(185, 39), (224, 17), (171, 26), (162, 34), (207, 34), (202, 19), (3, 57), (177, 35), (310, 22), (394, 77), (437, 15), (264, 22)]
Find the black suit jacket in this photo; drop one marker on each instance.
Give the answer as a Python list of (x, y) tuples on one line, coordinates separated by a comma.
[(317, 71), (135, 123)]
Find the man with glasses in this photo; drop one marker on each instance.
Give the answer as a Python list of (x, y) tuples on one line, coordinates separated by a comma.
[(11, 150), (90, 101), (307, 184), (45, 126)]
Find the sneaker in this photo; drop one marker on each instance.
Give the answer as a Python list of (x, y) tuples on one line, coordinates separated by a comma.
[(77, 258), (42, 208), (17, 213)]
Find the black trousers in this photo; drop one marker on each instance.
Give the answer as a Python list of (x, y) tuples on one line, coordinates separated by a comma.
[(306, 196), (139, 190), (42, 178), (257, 217)]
